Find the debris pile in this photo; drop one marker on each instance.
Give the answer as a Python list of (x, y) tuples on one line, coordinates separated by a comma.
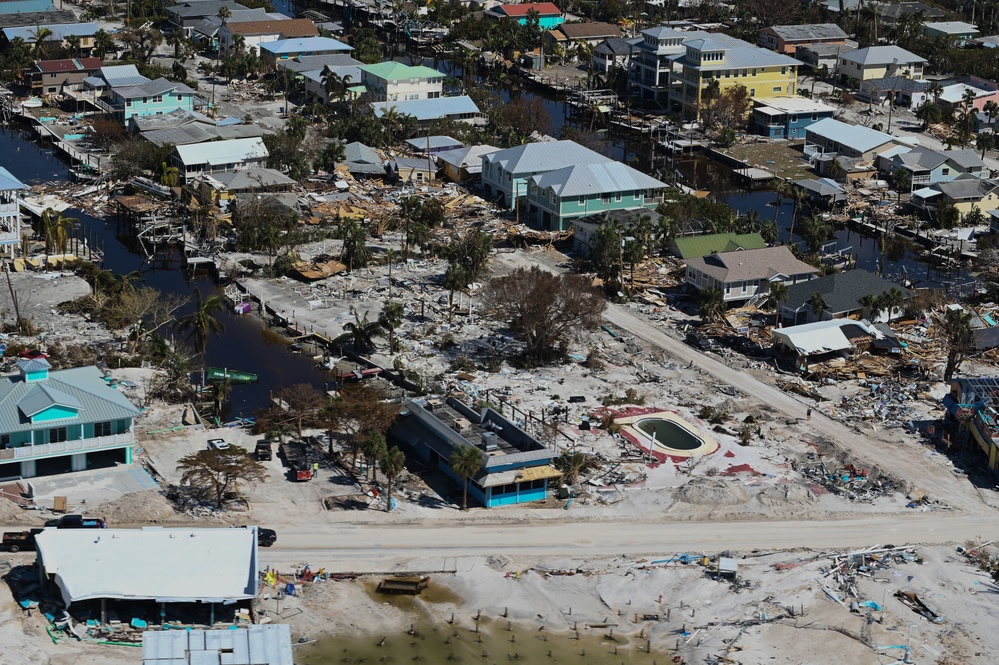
[(849, 481)]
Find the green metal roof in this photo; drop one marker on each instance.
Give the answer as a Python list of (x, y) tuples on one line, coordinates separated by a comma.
[(396, 71), (694, 246)]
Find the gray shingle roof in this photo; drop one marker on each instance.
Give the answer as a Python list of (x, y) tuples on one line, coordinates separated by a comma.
[(616, 46), (809, 31), (82, 388), (203, 8), (600, 178), (309, 63), (901, 84), (765, 263), (966, 187), (841, 292), (882, 55)]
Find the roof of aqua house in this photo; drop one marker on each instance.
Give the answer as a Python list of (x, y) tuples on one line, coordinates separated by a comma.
[(397, 71), (160, 86), (532, 158), (82, 388), (305, 45), (791, 33), (430, 109), (857, 137), (8, 182), (691, 246), (60, 31), (120, 76), (232, 151), (254, 644), (152, 563), (882, 55), (595, 178)]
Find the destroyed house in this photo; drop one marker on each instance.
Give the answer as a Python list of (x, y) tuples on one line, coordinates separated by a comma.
[(516, 468), (65, 420), (218, 156), (809, 344), (191, 575), (973, 410)]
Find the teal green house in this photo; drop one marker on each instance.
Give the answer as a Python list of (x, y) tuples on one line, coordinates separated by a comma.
[(157, 97), (556, 198), (548, 14), (64, 420)]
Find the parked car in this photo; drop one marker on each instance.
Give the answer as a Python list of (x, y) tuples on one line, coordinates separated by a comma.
[(78, 522), (20, 542), (218, 444), (263, 451), (266, 537)]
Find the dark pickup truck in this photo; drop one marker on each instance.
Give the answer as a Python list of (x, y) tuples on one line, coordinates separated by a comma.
[(263, 451), (266, 537), (78, 522), (20, 542)]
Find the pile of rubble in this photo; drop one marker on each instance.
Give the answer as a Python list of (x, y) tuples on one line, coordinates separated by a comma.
[(849, 481)]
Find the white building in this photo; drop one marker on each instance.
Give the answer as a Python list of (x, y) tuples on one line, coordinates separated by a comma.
[(396, 82), (218, 156)]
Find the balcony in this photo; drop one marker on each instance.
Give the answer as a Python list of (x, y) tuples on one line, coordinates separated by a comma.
[(67, 447)]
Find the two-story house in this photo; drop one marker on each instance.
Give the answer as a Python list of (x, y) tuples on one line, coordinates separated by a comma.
[(878, 62), (787, 38), (218, 156), (51, 421), (153, 98), (255, 33), (965, 193), (786, 117), (548, 14), (50, 77), (555, 198), (284, 49), (927, 166), (188, 14), (10, 212), (57, 34), (394, 81), (506, 172), (958, 33), (833, 136), (747, 273), (614, 53), (570, 35)]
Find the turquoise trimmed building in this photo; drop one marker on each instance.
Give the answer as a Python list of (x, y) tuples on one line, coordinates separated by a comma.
[(555, 198), (157, 97), (548, 14), (516, 468), (50, 422)]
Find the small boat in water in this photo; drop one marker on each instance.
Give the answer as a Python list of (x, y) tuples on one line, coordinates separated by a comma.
[(220, 374)]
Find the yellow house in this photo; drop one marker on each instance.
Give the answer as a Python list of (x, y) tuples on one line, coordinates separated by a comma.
[(764, 74), (878, 62), (965, 193)]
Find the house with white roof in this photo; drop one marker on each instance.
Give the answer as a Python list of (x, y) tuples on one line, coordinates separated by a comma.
[(10, 212), (786, 117), (56, 421), (218, 156), (958, 33), (506, 172), (557, 197), (464, 164), (425, 111), (832, 136), (877, 62)]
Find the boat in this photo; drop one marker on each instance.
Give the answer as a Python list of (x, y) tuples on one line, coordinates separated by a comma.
[(219, 374)]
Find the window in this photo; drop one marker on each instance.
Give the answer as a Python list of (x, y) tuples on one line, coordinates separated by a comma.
[(617, 198), (815, 116), (57, 435), (145, 100), (945, 171), (754, 72), (180, 98), (777, 88), (53, 75), (783, 71), (582, 200), (102, 429), (752, 92), (605, 198), (5, 440)]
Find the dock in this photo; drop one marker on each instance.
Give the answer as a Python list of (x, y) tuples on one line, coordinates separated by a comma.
[(754, 176)]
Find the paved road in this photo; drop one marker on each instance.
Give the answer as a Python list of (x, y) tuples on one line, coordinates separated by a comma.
[(365, 548), (912, 466)]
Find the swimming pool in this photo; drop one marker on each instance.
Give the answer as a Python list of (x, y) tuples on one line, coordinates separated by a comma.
[(669, 434)]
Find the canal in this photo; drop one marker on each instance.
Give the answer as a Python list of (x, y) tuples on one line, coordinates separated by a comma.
[(242, 346)]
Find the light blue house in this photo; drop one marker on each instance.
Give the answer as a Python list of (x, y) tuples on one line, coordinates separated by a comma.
[(928, 167), (285, 49), (516, 468), (10, 212), (24, 6), (505, 172), (555, 198), (786, 117), (55, 421), (157, 97)]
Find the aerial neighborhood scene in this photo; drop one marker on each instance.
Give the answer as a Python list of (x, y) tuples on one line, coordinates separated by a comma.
[(593, 332)]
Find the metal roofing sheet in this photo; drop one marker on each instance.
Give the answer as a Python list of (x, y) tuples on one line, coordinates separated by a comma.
[(430, 109), (98, 401), (118, 76), (882, 55), (468, 158), (233, 151), (420, 142), (691, 246), (183, 565), (532, 158), (394, 71), (8, 182), (42, 397), (596, 178), (857, 137), (820, 337), (268, 644), (305, 45)]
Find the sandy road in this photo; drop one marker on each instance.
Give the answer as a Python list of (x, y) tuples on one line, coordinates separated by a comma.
[(365, 548), (925, 474)]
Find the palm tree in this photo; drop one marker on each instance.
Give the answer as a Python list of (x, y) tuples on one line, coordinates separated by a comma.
[(814, 231), (359, 333), (711, 304), (991, 109), (781, 189), (331, 82), (374, 448), (891, 108), (57, 229), (391, 465), (224, 15), (871, 304), (176, 39), (392, 121), (817, 304), (968, 98), (103, 43), (798, 195), (778, 296), (902, 181), (465, 463), (455, 278), (986, 141), (892, 300), (390, 318), (73, 45), (39, 36), (202, 322), (935, 90), (929, 113)]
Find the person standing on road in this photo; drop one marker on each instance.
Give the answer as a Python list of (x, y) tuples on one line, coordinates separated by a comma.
[(808, 414)]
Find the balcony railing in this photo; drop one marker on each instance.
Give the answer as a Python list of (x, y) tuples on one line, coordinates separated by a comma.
[(72, 446)]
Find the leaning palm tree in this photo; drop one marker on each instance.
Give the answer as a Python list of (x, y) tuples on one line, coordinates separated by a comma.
[(202, 323), (798, 195), (392, 464), (359, 333), (817, 304), (390, 318), (778, 296), (465, 463), (57, 229), (781, 190), (711, 304)]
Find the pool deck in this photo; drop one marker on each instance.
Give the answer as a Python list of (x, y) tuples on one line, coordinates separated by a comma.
[(627, 420)]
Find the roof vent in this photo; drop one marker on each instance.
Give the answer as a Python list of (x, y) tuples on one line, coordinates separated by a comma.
[(461, 425), (490, 442)]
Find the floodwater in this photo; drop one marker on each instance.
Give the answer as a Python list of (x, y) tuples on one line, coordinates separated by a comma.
[(243, 345)]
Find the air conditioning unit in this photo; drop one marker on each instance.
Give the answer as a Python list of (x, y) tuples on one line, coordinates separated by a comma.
[(462, 425), (490, 442), (433, 404)]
